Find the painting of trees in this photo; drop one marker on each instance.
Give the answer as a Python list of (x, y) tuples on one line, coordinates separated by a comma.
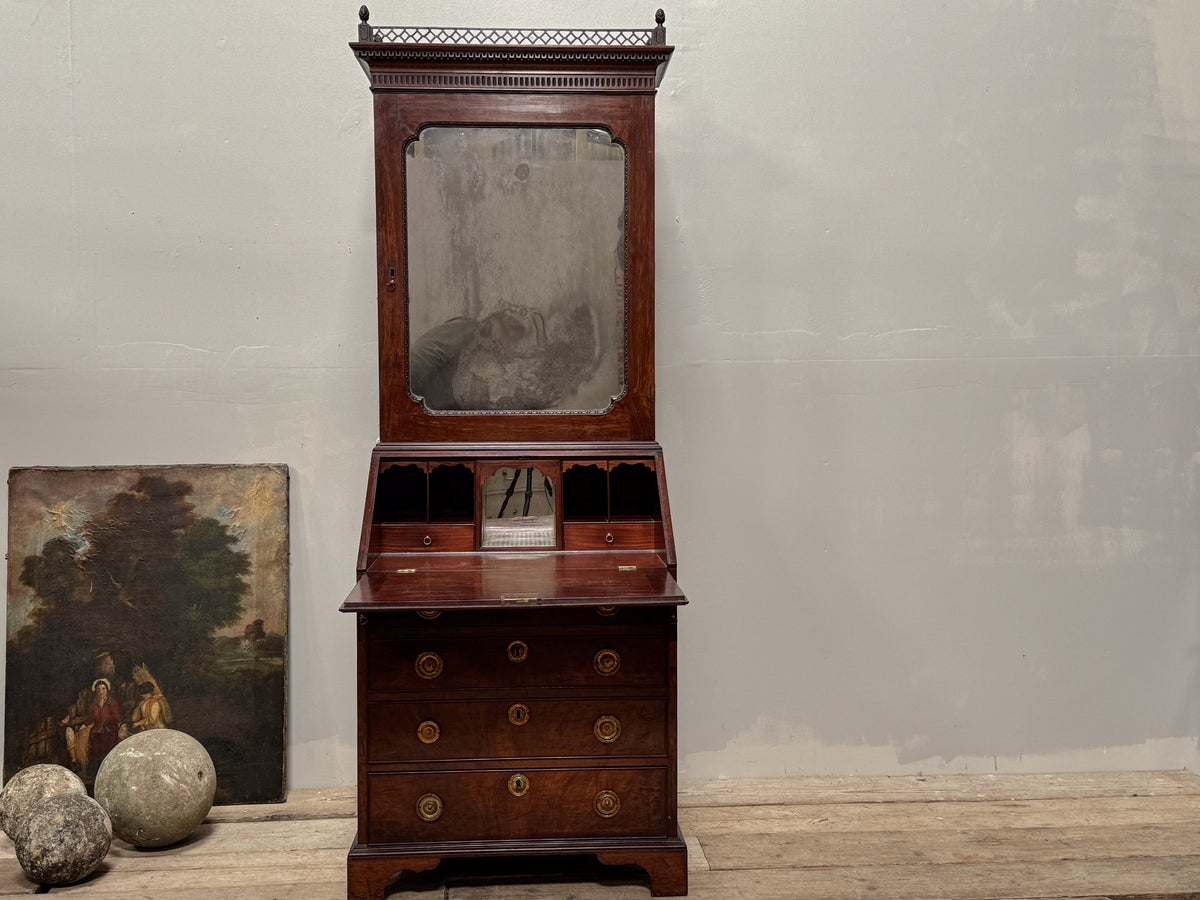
[(139, 579)]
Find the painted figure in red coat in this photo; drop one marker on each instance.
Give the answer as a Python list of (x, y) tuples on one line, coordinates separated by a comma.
[(105, 718)]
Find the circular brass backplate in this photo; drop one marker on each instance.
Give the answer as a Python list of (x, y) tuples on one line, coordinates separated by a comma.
[(429, 807), (607, 729), (429, 665), (518, 714), (518, 784), (518, 651), (606, 804), (428, 732), (607, 661)]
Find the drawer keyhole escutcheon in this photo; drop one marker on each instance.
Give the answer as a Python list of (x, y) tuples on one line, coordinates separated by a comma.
[(429, 665), (606, 804), (606, 662), (518, 714), (429, 807), (428, 732), (518, 785), (518, 651), (607, 729)]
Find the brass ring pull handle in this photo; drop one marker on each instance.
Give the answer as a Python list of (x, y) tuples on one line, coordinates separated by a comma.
[(428, 540), (608, 538), (429, 613), (429, 807), (607, 729), (518, 785), (518, 651), (428, 732), (429, 665), (606, 804), (518, 714), (606, 610), (606, 662)]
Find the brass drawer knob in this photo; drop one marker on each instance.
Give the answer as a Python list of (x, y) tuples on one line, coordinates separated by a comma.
[(518, 714), (607, 729), (428, 732), (518, 785), (429, 665), (606, 804), (518, 651), (429, 807), (606, 662)]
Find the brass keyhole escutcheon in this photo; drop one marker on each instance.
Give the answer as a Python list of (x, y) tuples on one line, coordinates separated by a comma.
[(429, 807), (606, 662), (428, 732), (429, 665), (518, 784), (518, 651), (607, 729), (606, 804), (518, 714)]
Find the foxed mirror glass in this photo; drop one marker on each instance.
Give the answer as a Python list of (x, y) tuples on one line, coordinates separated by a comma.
[(518, 509), (516, 269)]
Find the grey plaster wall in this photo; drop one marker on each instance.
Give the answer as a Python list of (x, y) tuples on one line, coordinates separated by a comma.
[(928, 347)]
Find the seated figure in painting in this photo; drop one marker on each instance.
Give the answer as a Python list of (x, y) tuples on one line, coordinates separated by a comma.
[(94, 732)]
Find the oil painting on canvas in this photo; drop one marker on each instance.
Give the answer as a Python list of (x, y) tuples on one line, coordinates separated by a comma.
[(149, 597)]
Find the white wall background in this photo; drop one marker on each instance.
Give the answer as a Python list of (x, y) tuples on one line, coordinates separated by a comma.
[(928, 346)]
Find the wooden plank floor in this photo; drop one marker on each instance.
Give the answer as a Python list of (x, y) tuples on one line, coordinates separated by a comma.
[(1127, 835)]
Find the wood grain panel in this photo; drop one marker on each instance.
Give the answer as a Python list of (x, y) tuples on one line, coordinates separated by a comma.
[(479, 806)]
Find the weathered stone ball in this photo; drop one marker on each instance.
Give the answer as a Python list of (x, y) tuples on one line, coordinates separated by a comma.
[(156, 786), (63, 839), (31, 786)]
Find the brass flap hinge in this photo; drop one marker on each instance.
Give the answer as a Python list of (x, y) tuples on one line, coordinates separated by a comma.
[(518, 599)]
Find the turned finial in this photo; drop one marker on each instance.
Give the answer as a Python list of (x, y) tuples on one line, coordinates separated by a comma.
[(364, 28), (660, 32)]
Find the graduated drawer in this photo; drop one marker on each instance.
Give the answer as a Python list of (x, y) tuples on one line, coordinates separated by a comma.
[(482, 806), (528, 728), (443, 662), (612, 535), (403, 538)]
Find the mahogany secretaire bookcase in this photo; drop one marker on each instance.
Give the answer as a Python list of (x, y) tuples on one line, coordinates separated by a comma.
[(516, 597)]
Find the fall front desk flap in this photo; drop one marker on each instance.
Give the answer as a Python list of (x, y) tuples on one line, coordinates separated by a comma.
[(417, 581)]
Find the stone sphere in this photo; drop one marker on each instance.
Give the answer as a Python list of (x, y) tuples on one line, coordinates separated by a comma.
[(29, 787), (156, 786), (63, 839)]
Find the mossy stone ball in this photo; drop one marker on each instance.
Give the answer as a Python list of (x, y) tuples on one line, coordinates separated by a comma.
[(29, 787), (157, 787), (63, 839)]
